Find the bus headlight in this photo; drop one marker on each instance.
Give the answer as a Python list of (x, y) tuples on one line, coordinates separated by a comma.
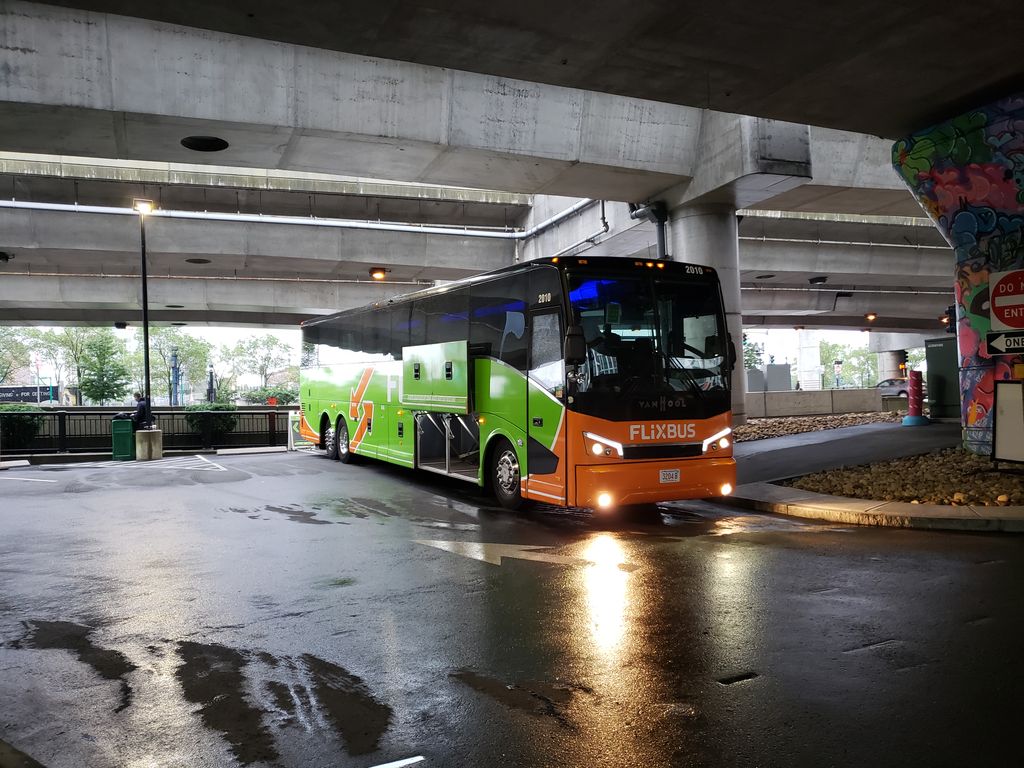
[(726, 489), (718, 440), (602, 445), (604, 500)]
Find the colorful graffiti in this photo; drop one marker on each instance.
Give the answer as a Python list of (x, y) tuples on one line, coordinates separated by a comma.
[(968, 174)]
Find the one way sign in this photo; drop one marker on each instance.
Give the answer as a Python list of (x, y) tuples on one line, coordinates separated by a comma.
[(1006, 342)]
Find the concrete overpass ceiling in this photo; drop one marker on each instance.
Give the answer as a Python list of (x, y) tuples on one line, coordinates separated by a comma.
[(185, 197), (873, 66)]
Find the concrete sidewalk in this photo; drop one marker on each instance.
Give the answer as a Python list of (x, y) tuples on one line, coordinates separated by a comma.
[(761, 461), (779, 499)]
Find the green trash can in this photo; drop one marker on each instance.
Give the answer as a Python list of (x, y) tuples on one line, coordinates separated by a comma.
[(124, 439)]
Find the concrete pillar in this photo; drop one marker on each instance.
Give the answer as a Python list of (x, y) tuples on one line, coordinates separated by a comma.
[(708, 235), (149, 445), (966, 174), (889, 364), (809, 359)]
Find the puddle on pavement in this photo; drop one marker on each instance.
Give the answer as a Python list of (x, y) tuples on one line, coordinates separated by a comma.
[(307, 691), (293, 512), (212, 676), (359, 717), (65, 635), (10, 757), (537, 698)]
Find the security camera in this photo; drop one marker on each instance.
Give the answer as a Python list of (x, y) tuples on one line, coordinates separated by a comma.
[(120, 325), (5, 257)]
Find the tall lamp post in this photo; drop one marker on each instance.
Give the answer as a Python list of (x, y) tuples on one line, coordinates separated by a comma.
[(144, 207)]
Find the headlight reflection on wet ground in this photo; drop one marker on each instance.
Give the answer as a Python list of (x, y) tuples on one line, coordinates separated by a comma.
[(607, 592)]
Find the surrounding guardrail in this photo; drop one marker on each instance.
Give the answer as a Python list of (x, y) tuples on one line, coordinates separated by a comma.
[(70, 430)]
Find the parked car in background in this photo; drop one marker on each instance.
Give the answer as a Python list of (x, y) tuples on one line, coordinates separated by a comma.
[(893, 387)]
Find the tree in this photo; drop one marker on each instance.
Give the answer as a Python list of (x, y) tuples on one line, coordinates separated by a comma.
[(105, 373), (263, 355), (861, 367), (753, 354), (13, 353), (915, 358), (830, 352), (49, 345), (73, 341), (193, 357)]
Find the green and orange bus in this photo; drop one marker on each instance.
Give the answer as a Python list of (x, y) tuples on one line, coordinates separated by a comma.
[(577, 382)]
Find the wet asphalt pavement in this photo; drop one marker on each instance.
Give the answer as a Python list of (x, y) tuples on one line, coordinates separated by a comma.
[(285, 610)]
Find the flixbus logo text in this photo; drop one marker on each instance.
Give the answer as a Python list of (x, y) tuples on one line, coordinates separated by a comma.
[(670, 431)]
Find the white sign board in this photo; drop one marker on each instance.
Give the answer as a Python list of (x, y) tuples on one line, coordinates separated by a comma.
[(1008, 422)]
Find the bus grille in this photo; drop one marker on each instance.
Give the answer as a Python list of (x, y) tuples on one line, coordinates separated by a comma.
[(664, 451)]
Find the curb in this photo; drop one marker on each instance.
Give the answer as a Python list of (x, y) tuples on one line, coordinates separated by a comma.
[(777, 499), (14, 463), (244, 451)]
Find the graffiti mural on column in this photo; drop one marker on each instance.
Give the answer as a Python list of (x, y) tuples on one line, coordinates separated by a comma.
[(968, 174)]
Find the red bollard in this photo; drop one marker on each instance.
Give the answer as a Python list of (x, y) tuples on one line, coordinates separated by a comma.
[(915, 401)]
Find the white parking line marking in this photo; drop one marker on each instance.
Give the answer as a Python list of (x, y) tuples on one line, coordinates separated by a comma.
[(212, 463), (28, 479), (400, 763)]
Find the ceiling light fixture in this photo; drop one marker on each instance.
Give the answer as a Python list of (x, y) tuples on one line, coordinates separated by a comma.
[(142, 205), (871, 317), (763, 277), (204, 143), (378, 273), (819, 280)]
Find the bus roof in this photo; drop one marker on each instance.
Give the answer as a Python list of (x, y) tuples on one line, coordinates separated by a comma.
[(606, 262)]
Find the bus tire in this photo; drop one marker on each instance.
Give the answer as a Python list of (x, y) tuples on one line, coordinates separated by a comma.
[(504, 475), (330, 441), (342, 448)]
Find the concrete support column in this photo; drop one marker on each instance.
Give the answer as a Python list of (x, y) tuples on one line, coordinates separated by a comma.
[(967, 176), (708, 235), (889, 364)]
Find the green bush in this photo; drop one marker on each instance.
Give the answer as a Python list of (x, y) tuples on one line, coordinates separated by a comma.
[(222, 421), (19, 424), (284, 395)]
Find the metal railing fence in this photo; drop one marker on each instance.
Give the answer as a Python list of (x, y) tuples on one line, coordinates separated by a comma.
[(70, 430)]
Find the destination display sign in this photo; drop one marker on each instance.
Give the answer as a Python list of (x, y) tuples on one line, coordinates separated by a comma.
[(1006, 342)]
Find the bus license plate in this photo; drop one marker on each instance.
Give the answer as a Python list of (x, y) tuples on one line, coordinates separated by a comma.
[(670, 475)]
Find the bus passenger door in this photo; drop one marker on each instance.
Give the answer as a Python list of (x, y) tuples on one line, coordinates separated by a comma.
[(545, 417)]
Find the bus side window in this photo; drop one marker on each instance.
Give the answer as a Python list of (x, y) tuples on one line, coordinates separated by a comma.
[(498, 318), (546, 351), (447, 317)]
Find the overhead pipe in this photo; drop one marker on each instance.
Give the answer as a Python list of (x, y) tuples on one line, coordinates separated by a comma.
[(259, 218), (591, 239), (808, 241), (657, 213)]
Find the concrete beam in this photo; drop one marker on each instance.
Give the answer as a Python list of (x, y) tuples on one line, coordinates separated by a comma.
[(120, 298), (59, 241), (286, 106)]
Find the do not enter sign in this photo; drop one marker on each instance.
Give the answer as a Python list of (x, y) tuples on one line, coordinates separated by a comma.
[(1006, 300)]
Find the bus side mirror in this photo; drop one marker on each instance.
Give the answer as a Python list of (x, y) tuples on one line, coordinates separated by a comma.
[(732, 354), (575, 348)]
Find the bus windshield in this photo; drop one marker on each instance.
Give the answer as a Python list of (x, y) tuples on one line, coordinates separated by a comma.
[(656, 345)]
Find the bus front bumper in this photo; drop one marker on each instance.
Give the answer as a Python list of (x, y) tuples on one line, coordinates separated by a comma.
[(616, 485)]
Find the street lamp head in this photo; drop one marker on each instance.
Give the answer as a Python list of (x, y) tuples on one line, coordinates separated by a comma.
[(142, 205)]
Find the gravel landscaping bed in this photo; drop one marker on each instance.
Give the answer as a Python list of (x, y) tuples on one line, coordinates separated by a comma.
[(759, 429), (953, 476)]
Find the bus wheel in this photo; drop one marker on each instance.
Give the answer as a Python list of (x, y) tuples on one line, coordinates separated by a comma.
[(331, 443), (504, 474), (345, 455)]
